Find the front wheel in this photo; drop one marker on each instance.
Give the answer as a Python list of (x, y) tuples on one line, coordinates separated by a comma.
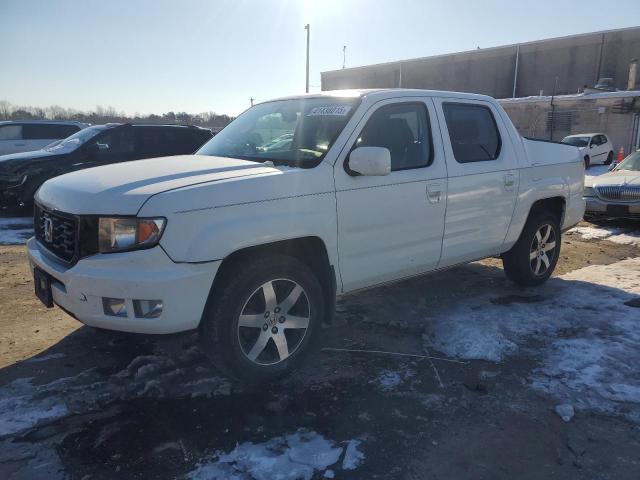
[(587, 161), (265, 318), (532, 259)]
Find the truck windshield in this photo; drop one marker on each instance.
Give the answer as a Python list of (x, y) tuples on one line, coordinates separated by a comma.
[(576, 141), (295, 132)]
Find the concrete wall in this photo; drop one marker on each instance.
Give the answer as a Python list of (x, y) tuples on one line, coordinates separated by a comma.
[(578, 114), (576, 61)]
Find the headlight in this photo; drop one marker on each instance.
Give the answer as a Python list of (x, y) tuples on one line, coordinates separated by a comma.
[(128, 233), (589, 192), (13, 181)]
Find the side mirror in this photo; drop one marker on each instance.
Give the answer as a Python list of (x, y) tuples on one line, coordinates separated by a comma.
[(592, 145), (370, 161)]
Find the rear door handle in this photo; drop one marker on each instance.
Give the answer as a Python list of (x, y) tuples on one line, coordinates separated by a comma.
[(434, 192)]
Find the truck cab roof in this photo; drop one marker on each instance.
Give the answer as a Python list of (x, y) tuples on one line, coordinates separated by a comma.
[(377, 94)]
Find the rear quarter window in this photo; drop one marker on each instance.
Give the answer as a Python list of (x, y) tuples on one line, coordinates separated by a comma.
[(473, 132)]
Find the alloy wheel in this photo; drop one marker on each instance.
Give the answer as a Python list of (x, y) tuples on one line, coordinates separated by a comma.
[(274, 321), (542, 251)]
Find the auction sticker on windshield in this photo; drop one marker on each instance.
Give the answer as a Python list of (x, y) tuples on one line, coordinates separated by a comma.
[(335, 110)]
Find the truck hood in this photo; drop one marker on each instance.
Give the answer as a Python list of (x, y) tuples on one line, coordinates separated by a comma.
[(122, 189), (618, 177)]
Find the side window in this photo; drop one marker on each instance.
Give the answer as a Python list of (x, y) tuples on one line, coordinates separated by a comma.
[(11, 132), (595, 140), (473, 132), (404, 129), (117, 140), (45, 131), (150, 141)]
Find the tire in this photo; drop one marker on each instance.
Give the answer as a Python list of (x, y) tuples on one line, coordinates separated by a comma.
[(609, 159), (587, 161), (254, 337), (520, 264)]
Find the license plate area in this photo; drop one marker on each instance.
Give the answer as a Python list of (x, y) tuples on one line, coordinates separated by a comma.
[(618, 210), (42, 283)]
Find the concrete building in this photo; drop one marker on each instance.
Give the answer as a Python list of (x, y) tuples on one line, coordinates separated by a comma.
[(550, 88), (615, 113), (553, 66)]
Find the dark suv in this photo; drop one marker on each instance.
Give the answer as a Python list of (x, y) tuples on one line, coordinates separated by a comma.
[(21, 174)]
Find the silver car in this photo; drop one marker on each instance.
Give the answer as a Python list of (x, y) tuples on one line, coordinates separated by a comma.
[(615, 194)]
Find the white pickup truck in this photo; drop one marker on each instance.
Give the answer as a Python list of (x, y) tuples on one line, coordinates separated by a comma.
[(296, 201)]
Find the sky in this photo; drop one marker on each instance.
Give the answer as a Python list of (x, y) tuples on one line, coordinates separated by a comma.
[(154, 56)]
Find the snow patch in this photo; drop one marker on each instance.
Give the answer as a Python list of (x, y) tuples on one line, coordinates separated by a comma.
[(24, 405), (622, 236), (296, 456), (15, 231), (20, 409), (353, 457), (389, 380), (592, 363)]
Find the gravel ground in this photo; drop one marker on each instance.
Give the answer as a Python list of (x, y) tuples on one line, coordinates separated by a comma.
[(494, 369)]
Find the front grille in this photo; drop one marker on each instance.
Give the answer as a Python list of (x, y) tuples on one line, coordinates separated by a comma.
[(56, 231), (620, 193)]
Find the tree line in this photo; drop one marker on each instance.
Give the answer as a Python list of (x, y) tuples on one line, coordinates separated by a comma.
[(102, 115)]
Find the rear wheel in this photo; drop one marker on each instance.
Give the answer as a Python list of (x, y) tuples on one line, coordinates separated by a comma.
[(609, 159), (532, 259), (264, 320)]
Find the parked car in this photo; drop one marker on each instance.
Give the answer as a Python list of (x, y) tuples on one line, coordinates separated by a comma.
[(594, 147), (29, 135), (615, 194), (21, 174), (252, 246)]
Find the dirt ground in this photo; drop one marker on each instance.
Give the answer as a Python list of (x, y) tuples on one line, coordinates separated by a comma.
[(91, 404)]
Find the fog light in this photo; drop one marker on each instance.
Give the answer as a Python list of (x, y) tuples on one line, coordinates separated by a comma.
[(147, 308), (114, 307)]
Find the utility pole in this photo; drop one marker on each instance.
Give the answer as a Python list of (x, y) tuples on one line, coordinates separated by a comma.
[(344, 56), (307, 27), (553, 110), (252, 99)]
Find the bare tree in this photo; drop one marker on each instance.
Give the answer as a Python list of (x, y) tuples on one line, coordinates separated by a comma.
[(110, 114)]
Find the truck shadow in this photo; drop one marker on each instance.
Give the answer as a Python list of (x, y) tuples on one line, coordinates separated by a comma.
[(105, 403)]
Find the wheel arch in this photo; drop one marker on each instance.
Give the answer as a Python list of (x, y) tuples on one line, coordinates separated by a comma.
[(557, 205), (555, 202), (310, 250)]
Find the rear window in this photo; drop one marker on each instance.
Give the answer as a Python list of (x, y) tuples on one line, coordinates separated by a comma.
[(473, 132), (48, 131)]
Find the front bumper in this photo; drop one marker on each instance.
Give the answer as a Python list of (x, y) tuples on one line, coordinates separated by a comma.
[(143, 275), (597, 208)]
